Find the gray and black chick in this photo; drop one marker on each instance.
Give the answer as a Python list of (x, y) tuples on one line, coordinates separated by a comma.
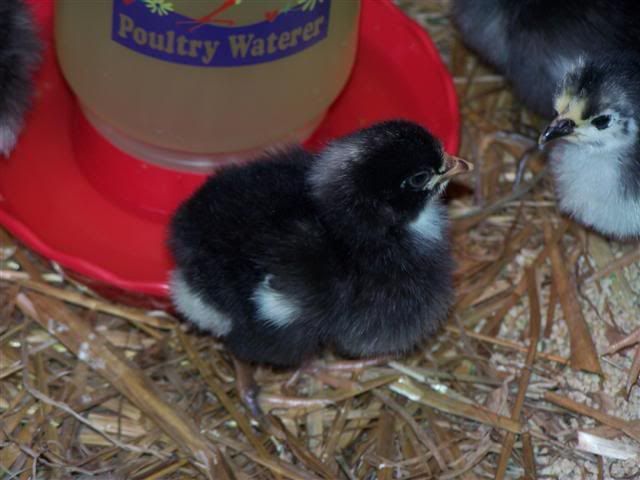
[(297, 252), (595, 144), (534, 43), (20, 51)]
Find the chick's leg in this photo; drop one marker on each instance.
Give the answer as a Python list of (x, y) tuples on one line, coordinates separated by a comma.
[(247, 387)]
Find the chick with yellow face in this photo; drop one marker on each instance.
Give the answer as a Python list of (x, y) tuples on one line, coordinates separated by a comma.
[(533, 43), (595, 145)]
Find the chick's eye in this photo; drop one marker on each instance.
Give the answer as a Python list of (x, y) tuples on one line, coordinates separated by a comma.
[(418, 180), (601, 122)]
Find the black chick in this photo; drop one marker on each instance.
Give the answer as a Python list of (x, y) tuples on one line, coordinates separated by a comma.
[(19, 55), (296, 252), (595, 155), (534, 43)]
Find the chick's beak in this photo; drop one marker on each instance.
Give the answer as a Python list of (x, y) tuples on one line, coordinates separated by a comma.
[(455, 166), (559, 127)]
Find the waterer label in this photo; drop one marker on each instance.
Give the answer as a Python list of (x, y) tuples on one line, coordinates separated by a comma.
[(153, 28)]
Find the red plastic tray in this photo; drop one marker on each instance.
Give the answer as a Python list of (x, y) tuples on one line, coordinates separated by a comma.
[(71, 196)]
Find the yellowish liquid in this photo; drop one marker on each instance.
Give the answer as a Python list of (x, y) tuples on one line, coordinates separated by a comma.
[(194, 110)]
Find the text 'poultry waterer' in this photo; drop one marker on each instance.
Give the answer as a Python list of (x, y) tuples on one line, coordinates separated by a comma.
[(189, 84)]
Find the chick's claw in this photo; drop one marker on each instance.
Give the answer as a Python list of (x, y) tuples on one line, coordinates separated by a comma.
[(250, 399)]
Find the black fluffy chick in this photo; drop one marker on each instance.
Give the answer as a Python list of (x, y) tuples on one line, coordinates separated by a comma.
[(19, 55), (534, 43), (297, 252), (595, 154)]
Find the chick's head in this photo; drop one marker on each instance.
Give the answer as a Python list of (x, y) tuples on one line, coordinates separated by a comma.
[(596, 105), (385, 173)]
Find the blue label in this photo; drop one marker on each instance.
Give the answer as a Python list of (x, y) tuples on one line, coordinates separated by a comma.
[(152, 28)]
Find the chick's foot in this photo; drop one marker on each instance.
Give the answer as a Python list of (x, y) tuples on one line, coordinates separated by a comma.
[(248, 390)]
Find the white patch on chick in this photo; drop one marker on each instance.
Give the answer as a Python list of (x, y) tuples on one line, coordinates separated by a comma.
[(588, 173), (274, 307), (334, 163), (8, 138), (196, 309), (430, 223)]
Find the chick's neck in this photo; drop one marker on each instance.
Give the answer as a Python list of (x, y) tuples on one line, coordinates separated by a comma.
[(370, 235)]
